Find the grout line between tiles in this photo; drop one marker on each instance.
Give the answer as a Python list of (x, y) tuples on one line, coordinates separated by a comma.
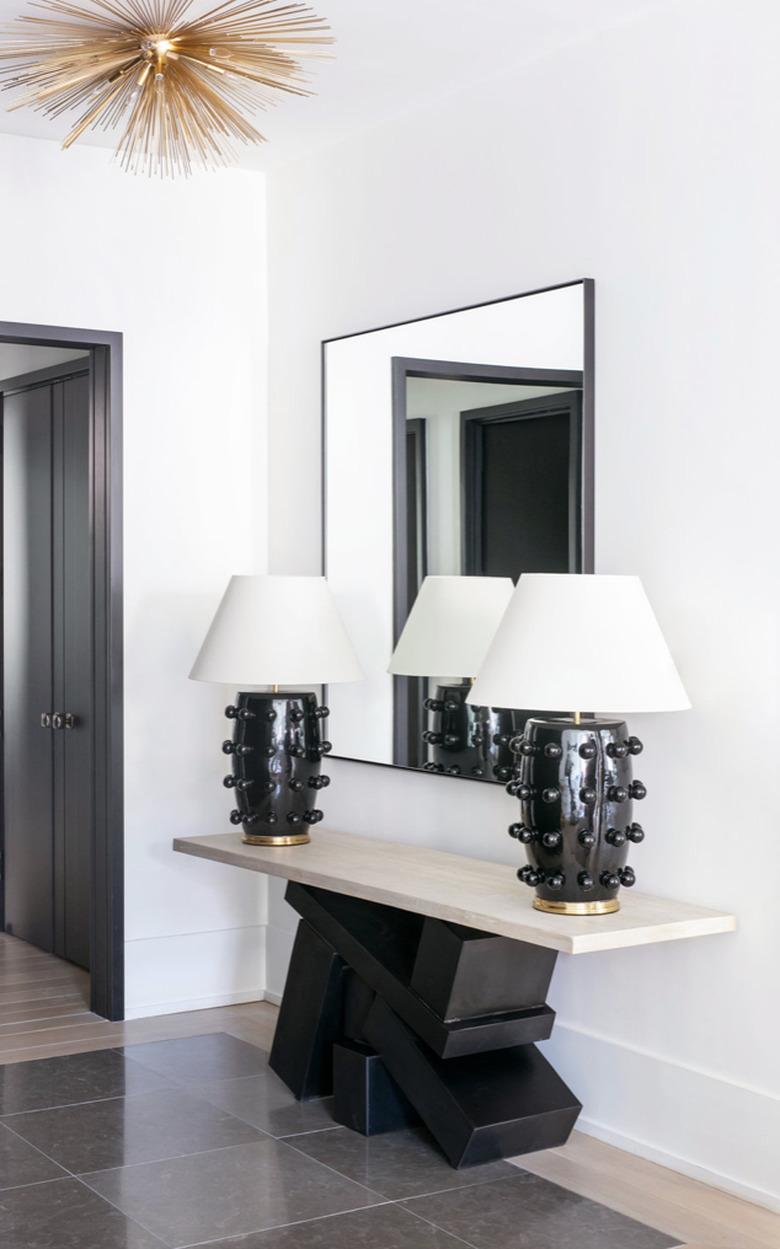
[(68, 1173), (126, 1166), (92, 1101), (136, 1222), (409, 1196), (55, 1179), (291, 1136), (280, 1227), (438, 1227)]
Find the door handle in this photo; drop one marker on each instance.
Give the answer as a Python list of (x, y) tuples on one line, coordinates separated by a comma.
[(58, 720)]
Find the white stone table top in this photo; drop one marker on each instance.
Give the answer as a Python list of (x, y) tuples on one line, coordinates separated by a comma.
[(465, 891)]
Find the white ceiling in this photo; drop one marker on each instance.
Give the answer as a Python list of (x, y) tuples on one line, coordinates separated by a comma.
[(429, 395), (16, 359), (390, 59)]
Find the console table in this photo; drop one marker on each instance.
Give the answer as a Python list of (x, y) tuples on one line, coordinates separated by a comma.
[(417, 986)]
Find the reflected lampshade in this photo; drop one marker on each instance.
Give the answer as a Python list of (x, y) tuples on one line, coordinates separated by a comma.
[(446, 636), (451, 626)]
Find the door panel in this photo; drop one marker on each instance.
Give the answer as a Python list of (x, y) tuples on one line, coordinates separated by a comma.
[(27, 596), (48, 664), (525, 515)]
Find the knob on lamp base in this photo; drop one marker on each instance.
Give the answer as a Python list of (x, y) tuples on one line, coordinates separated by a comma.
[(464, 740)]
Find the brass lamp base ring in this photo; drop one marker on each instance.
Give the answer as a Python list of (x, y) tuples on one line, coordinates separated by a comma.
[(607, 907), (295, 839)]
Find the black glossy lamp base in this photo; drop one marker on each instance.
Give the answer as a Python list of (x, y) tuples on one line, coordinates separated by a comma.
[(276, 751), (465, 740), (574, 782)]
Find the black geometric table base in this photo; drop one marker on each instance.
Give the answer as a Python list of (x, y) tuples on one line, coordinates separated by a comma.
[(400, 1015), (366, 1098)]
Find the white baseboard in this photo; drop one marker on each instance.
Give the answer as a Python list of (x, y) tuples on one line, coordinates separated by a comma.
[(199, 1003), (194, 971), (274, 998), (673, 1162), (690, 1120)]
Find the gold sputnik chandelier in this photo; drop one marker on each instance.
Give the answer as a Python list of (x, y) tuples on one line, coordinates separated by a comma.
[(178, 87)]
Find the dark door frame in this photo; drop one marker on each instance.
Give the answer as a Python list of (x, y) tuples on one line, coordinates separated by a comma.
[(107, 918)]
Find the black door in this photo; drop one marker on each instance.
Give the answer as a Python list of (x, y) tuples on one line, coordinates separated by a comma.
[(522, 510), (48, 664)]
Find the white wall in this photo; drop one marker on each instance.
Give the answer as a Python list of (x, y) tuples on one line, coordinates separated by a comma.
[(179, 269), (647, 160)]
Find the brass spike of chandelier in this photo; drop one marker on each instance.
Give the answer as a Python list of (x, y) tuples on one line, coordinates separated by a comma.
[(178, 87)]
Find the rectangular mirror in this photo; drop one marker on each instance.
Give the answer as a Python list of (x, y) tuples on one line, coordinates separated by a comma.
[(458, 444)]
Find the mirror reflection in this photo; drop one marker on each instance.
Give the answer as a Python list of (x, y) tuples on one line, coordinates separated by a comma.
[(475, 432)]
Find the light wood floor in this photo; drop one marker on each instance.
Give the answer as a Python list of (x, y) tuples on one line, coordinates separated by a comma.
[(44, 1012)]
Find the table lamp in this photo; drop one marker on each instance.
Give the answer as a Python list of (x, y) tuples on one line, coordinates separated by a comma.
[(274, 631), (445, 638), (586, 642)]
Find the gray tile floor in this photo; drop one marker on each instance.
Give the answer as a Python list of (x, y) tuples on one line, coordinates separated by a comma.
[(195, 1142)]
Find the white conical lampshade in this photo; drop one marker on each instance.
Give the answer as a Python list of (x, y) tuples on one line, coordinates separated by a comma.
[(273, 630), (579, 642), (451, 626)]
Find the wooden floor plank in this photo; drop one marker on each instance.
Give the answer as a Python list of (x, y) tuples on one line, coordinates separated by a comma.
[(76, 1019), (20, 958), (12, 980), (31, 993), (44, 1012), (54, 1031), (697, 1213), (44, 1008), (21, 1012)]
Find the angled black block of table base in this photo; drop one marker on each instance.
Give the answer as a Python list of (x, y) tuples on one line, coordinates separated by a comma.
[(366, 1098), (310, 1017), (358, 998), (381, 944), (462, 972), (482, 1106)]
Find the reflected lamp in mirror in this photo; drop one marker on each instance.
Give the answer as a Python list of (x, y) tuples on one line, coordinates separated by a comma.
[(276, 631), (578, 641), (444, 640)]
